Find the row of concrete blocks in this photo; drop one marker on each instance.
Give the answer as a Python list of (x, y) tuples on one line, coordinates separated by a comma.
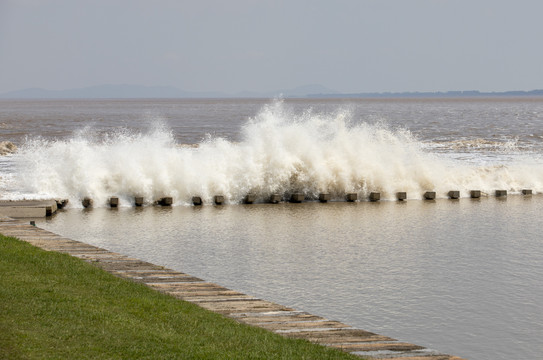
[(299, 197)]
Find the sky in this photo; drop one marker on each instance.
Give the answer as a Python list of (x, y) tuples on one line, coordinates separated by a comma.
[(230, 46)]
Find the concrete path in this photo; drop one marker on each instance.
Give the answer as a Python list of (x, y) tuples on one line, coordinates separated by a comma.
[(28, 208), (241, 307)]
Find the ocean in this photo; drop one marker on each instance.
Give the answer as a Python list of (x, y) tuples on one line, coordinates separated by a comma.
[(461, 276)]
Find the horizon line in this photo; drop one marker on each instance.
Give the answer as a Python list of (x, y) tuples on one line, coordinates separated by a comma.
[(127, 91)]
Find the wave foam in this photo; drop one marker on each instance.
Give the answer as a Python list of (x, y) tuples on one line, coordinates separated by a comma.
[(280, 152)]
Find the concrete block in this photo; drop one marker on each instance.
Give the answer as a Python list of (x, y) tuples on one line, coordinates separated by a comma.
[(16, 208), (138, 201), (113, 201), (430, 195), (475, 194), (165, 201), (23, 211), (297, 198), (87, 202), (351, 197), (401, 196), (454, 194), (526, 192), (275, 198), (50, 207), (249, 198), (196, 200), (218, 199), (324, 197), (375, 196), (501, 193), (61, 203)]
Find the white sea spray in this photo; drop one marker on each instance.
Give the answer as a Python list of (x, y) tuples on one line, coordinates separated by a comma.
[(279, 152)]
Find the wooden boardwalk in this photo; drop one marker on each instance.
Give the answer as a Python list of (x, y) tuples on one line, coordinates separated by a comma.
[(241, 307)]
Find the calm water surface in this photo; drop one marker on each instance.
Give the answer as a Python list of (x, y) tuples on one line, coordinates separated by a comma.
[(464, 277)]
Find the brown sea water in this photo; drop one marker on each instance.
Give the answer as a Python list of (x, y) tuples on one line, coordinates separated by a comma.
[(460, 276)]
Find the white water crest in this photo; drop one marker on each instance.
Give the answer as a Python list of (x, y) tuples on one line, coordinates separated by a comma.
[(279, 152)]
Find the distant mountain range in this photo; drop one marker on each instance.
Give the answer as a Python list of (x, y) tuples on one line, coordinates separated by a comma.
[(106, 91), (124, 91)]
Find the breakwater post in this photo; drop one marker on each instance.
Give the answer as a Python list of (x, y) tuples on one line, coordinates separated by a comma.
[(196, 200), (61, 203), (275, 198), (87, 202), (430, 195), (323, 197), (501, 193), (138, 201), (475, 194), (526, 192), (375, 196), (218, 199), (454, 194), (351, 197), (165, 201), (401, 196), (297, 198), (249, 198), (113, 201)]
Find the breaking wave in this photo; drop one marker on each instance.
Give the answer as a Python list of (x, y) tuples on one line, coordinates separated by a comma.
[(279, 152)]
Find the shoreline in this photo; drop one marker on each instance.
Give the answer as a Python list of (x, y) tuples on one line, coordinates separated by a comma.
[(230, 303)]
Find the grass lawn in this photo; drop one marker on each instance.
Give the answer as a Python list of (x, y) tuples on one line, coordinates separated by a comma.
[(54, 306)]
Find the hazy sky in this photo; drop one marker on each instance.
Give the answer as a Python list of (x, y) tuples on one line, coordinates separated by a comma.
[(235, 45)]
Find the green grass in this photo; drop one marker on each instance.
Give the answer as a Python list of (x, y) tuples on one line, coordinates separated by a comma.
[(54, 306)]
